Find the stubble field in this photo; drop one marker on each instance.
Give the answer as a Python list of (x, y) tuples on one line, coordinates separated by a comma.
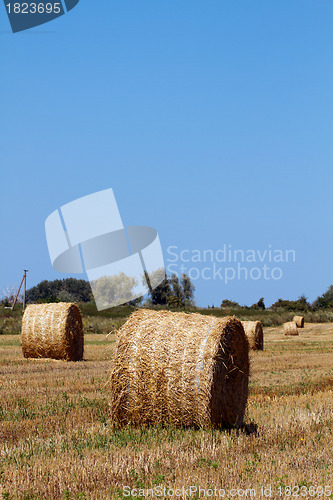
[(57, 441)]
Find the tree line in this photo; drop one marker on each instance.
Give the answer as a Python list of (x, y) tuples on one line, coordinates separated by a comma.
[(172, 292), (324, 301)]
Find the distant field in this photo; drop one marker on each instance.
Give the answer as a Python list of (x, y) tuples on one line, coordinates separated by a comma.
[(103, 322), (57, 442)]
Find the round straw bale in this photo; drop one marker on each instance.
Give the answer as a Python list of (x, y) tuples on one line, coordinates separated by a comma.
[(52, 331), (183, 369), (299, 320), (290, 328), (255, 334)]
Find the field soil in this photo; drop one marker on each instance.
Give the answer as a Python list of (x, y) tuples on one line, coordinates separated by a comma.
[(57, 440)]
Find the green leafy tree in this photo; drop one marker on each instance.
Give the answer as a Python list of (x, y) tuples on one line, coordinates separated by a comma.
[(69, 289), (64, 296), (171, 292), (188, 290), (175, 302), (177, 291), (325, 300), (302, 303), (229, 304), (292, 305), (161, 294), (259, 305), (115, 289)]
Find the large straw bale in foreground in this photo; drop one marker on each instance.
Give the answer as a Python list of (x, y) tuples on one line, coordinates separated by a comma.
[(299, 320), (290, 328), (52, 331), (255, 334), (183, 369)]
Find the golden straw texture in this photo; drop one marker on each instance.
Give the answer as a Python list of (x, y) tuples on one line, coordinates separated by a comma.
[(290, 328), (255, 334), (299, 320), (52, 331), (183, 369)]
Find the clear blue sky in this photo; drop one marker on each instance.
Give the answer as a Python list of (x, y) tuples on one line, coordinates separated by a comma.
[(212, 121)]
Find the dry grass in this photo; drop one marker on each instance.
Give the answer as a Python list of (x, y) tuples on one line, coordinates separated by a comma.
[(56, 441)]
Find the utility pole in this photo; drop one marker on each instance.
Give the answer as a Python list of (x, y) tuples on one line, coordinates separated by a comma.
[(24, 280), (24, 286)]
